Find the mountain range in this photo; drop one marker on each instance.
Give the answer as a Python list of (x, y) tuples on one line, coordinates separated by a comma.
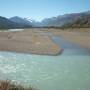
[(82, 21), (14, 22), (20, 20), (68, 20)]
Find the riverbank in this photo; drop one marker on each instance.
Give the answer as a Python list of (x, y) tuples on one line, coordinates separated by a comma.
[(78, 36), (40, 42), (28, 41)]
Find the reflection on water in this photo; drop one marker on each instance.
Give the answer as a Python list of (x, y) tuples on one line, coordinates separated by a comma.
[(11, 30), (15, 30)]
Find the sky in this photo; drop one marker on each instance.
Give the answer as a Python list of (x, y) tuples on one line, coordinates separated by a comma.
[(40, 9)]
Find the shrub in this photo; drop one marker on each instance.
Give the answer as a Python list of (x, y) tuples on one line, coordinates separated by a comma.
[(8, 85)]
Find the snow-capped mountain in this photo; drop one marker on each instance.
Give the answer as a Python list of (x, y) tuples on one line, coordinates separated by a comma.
[(29, 19)]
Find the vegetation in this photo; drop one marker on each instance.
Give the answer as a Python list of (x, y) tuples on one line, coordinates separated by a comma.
[(7, 85), (82, 22)]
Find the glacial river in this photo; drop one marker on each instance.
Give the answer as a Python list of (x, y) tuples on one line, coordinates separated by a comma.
[(68, 71)]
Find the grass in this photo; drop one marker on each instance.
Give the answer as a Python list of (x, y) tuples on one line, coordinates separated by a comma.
[(8, 85)]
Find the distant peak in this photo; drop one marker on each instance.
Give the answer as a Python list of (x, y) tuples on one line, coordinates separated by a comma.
[(16, 17), (29, 19)]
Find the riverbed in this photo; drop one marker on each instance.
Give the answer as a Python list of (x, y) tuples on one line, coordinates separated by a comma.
[(68, 71)]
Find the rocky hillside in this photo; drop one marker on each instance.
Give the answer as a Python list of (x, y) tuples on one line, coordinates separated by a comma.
[(67, 20)]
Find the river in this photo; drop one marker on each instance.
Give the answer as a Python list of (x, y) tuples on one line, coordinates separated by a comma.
[(68, 71)]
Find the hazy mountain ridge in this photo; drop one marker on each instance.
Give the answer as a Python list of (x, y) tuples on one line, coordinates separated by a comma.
[(66, 19), (82, 21), (20, 20), (6, 23)]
